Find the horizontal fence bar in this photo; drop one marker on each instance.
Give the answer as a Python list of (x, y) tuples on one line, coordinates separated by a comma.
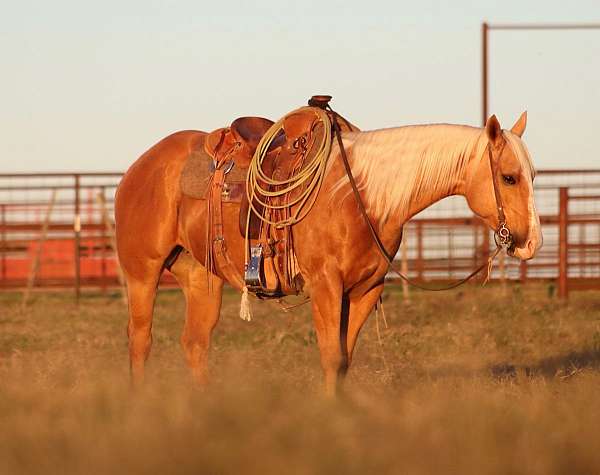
[(66, 186), (544, 171), (544, 26), (59, 174), (584, 197)]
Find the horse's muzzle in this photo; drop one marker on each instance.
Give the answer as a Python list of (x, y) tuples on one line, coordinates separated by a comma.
[(528, 251)]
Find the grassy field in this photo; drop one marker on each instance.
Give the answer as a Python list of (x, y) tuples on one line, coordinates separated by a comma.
[(474, 381)]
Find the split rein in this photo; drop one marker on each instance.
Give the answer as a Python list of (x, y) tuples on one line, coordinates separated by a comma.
[(502, 235)]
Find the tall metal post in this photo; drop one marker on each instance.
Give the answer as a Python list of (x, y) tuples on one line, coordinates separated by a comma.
[(563, 243), (484, 72)]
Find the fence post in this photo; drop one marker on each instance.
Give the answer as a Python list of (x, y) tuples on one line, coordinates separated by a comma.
[(563, 243), (4, 243), (523, 271), (101, 197), (420, 250), (404, 265), (450, 251), (475, 225), (110, 230), (35, 263), (485, 249), (582, 251), (502, 268), (77, 231)]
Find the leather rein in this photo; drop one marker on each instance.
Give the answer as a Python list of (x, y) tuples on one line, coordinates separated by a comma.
[(502, 235)]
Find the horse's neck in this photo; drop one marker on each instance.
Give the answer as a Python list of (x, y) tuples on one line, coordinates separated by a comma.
[(405, 170), (418, 200)]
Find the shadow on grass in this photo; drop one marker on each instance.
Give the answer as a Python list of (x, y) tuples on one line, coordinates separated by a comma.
[(563, 365), (560, 365)]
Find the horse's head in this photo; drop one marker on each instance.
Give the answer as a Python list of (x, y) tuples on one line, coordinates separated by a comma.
[(512, 193)]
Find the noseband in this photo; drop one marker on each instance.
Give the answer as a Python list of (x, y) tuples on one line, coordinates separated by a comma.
[(502, 234)]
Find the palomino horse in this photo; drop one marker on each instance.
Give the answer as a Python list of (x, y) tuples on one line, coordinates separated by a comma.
[(399, 171)]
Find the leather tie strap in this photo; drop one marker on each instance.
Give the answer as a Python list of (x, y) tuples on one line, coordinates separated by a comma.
[(221, 257)]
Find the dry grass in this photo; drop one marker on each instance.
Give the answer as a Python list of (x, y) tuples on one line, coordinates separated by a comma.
[(474, 381)]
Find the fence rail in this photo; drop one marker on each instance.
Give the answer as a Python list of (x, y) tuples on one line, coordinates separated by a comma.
[(444, 242)]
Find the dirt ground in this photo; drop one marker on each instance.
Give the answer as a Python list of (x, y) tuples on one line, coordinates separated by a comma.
[(475, 381)]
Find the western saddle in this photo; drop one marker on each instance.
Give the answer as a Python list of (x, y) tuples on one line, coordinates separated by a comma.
[(217, 172)]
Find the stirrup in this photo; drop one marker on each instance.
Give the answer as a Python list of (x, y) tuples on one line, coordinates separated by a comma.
[(252, 275)]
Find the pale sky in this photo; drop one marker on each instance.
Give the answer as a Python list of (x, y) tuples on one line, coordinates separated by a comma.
[(90, 86)]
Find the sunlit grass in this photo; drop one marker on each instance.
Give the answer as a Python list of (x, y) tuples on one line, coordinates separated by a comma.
[(492, 380)]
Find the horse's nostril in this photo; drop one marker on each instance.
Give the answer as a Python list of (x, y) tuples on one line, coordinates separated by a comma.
[(530, 246)]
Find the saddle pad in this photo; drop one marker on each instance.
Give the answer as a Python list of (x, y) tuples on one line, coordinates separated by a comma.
[(197, 173)]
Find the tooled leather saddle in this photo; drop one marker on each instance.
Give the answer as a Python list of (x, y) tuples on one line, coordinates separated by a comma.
[(216, 171)]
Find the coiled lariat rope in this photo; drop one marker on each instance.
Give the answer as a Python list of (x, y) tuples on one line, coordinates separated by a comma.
[(262, 189)]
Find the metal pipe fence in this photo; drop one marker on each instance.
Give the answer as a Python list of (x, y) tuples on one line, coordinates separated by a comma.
[(444, 242)]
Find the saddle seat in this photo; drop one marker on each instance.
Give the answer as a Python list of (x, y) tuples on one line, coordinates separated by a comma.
[(237, 142), (230, 148)]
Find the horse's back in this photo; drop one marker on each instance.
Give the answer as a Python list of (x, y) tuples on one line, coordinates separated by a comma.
[(168, 155), (147, 200)]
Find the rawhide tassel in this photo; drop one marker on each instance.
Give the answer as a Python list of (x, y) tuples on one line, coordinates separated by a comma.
[(245, 310)]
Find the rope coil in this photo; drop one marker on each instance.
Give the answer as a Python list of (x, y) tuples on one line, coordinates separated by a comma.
[(311, 175), (261, 189)]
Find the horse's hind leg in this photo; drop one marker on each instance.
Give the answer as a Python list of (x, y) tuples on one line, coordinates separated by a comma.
[(203, 306), (141, 294)]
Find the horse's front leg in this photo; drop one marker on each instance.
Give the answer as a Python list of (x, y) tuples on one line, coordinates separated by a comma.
[(360, 308), (327, 312)]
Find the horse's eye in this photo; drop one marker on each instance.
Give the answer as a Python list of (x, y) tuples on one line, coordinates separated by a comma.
[(509, 180)]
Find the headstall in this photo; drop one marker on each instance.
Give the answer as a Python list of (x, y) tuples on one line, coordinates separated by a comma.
[(502, 234)]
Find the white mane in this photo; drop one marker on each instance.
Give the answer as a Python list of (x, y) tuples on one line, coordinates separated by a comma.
[(391, 166)]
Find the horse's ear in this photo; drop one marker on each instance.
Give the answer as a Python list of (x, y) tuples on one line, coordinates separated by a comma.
[(519, 127), (493, 130)]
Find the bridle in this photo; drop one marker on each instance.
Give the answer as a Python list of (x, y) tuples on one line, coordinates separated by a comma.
[(502, 235)]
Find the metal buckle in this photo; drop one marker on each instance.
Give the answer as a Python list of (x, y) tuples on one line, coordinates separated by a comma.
[(502, 236), (225, 192)]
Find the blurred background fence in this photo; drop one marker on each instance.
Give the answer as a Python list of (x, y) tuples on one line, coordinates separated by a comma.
[(56, 230)]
